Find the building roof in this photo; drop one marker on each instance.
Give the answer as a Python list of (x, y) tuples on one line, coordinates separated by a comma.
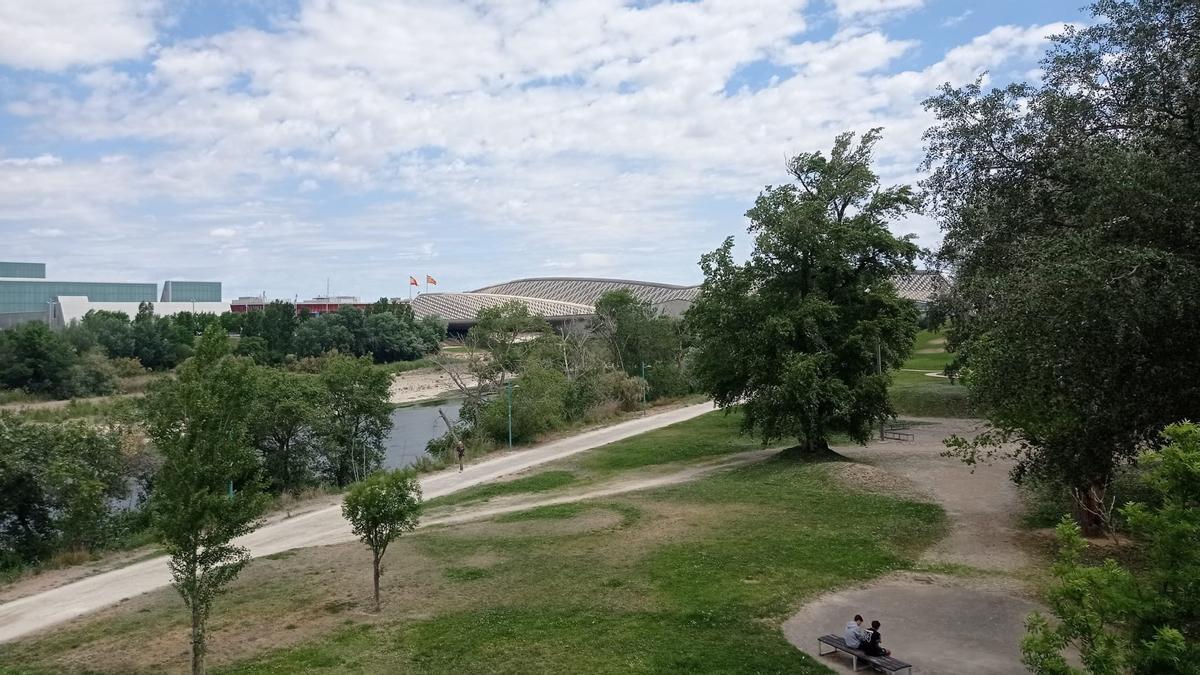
[(587, 291), (920, 286), (458, 308), (566, 297)]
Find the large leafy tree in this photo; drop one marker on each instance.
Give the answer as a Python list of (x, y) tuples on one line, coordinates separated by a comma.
[(285, 428), (1071, 213), (793, 333), (358, 417), (642, 341), (35, 359), (207, 492)]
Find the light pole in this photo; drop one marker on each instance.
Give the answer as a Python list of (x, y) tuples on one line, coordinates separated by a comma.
[(879, 371), (645, 384)]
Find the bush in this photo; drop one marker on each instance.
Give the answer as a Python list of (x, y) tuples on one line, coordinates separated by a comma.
[(1125, 621), (92, 375), (537, 407), (626, 390), (127, 366)]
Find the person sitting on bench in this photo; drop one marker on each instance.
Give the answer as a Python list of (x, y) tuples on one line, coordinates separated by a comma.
[(872, 644), (855, 634)]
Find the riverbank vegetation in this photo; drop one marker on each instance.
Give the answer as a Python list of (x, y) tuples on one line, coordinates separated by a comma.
[(691, 577)]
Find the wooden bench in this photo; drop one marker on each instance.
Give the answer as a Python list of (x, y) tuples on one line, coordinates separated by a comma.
[(894, 435), (882, 663)]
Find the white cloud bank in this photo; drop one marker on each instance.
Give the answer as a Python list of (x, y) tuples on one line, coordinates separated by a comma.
[(56, 34), (604, 128)]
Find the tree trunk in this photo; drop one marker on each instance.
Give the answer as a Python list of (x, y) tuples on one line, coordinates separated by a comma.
[(375, 570), (1090, 509), (197, 640)]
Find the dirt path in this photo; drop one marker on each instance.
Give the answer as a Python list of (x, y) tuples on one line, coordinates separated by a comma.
[(969, 623), (321, 526)]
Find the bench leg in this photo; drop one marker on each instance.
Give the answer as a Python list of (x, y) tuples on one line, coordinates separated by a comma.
[(820, 649)]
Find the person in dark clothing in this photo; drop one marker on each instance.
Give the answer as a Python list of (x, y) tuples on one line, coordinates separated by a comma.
[(873, 645)]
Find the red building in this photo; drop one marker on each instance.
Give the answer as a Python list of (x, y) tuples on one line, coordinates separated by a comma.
[(318, 305)]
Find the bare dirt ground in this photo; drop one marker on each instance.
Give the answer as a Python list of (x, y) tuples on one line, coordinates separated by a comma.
[(942, 624), (424, 384)]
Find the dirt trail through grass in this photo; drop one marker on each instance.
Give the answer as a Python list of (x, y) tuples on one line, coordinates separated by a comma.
[(968, 621)]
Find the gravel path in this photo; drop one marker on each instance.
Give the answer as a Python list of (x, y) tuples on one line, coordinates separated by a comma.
[(322, 526), (941, 624)]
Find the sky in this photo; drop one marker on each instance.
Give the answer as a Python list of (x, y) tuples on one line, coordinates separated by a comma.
[(290, 146)]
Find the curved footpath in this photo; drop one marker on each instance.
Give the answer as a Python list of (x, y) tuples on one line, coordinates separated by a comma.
[(969, 622), (324, 526)]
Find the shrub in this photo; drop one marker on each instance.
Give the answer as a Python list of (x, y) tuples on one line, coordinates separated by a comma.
[(127, 366)]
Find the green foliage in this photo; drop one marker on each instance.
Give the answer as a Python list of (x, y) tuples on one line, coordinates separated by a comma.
[(356, 420), (498, 341), (1122, 621), (793, 332), (286, 425), (537, 406), (381, 508), (157, 341), (56, 482), (200, 421), (387, 332), (636, 335), (1071, 225), (34, 359), (254, 348)]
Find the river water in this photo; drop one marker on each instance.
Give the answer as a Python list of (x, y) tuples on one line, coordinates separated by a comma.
[(412, 428)]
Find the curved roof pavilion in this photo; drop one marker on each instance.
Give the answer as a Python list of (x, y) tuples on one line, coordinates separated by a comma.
[(565, 299)]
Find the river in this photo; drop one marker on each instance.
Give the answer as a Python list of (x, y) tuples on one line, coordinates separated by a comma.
[(413, 427)]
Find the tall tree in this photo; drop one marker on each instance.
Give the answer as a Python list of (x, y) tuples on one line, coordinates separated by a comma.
[(278, 325), (34, 358), (358, 417), (793, 333), (380, 509), (285, 427), (1071, 213), (206, 493)]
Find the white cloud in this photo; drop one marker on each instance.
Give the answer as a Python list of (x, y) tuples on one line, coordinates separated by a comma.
[(956, 19), (49, 232), (39, 161), (851, 8), (596, 130), (56, 34)]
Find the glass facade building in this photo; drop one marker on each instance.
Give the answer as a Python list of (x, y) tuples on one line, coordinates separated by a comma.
[(191, 291), (34, 295), (23, 270)]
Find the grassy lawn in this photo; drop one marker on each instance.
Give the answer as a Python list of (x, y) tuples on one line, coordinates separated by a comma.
[(696, 577), (705, 437), (916, 393)]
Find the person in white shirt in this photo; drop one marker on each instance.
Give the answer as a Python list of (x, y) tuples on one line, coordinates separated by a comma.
[(855, 634)]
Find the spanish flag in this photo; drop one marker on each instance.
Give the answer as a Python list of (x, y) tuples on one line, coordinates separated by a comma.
[(430, 280), (412, 281)]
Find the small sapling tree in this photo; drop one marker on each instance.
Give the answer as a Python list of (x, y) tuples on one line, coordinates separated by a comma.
[(206, 493), (380, 509)]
